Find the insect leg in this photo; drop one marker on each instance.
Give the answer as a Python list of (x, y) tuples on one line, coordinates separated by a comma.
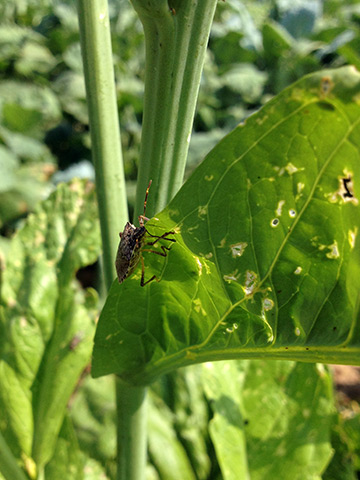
[(160, 237), (163, 248), (142, 217), (142, 283)]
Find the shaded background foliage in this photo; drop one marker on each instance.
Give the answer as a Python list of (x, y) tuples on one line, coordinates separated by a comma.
[(256, 49)]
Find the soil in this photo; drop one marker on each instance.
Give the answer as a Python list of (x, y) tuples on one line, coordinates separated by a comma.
[(347, 380)]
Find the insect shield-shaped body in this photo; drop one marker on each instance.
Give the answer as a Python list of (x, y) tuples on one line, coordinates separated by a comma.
[(128, 254), (132, 241)]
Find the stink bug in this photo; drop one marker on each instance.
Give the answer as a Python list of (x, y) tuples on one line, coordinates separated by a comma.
[(132, 241)]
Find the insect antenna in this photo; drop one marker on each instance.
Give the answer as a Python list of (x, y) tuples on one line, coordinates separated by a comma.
[(142, 217)]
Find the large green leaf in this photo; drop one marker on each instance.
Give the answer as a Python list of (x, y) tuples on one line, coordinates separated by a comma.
[(266, 260), (46, 320), (271, 419)]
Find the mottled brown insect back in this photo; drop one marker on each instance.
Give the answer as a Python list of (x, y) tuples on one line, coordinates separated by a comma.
[(132, 239), (128, 254)]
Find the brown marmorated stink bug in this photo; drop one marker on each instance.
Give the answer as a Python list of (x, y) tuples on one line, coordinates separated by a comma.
[(131, 246)]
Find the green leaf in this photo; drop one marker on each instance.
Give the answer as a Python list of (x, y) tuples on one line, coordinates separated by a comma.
[(246, 80), (68, 461), (162, 438), (46, 320), (9, 467), (14, 40), (271, 419), (276, 40), (27, 108), (185, 396), (94, 418), (8, 165), (35, 59), (265, 262), (346, 444), (70, 88), (22, 186), (27, 148)]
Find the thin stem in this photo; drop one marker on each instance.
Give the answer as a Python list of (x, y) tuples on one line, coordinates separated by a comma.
[(104, 126), (132, 418), (176, 39)]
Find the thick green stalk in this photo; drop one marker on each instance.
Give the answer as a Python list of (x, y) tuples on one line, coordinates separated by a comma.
[(110, 185), (104, 126), (176, 39), (131, 433)]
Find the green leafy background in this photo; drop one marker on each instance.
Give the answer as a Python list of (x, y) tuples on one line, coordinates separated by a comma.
[(47, 322), (266, 258), (279, 425), (221, 419), (256, 49)]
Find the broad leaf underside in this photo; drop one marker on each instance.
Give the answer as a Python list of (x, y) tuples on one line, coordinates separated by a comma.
[(266, 260)]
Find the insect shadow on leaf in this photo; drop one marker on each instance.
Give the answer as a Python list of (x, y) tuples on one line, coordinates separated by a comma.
[(132, 243)]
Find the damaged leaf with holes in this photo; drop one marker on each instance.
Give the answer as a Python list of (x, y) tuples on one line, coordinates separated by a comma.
[(266, 260)]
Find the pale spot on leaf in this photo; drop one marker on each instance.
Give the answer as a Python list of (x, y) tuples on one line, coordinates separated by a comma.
[(352, 234), (334, 251), (233, 328), (23, 322), (232, 277), (291, 169), (299, 187), (238, 249), (268, 304), (222, 243), (199, 264), (345, 192), (306, 413), (202, 210), (278, 211), (198, 306), (192, 229), (250, 282)]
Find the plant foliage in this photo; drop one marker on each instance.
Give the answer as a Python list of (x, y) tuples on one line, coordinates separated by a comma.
[(266, 258), (46, 320)]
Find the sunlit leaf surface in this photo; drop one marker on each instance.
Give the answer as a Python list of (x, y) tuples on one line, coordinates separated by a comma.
[(266, 260)]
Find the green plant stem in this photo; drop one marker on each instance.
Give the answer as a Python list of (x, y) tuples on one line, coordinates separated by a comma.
[(176, 39), (8, 464), (104, 126), (110, 185), (131, 434)]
